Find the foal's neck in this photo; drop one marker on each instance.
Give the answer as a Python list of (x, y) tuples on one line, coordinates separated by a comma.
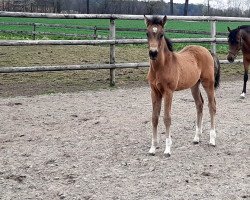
[(164, 56), (245, 41)]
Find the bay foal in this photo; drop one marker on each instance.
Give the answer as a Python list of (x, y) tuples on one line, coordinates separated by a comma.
[(170, 71)]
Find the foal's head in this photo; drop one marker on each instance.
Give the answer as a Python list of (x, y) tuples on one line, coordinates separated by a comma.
[(238, 39), (155, 34)]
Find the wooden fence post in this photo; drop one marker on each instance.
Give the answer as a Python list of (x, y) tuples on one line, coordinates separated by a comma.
[(95, 32), (112, 51), (213, 36), (34, 31)]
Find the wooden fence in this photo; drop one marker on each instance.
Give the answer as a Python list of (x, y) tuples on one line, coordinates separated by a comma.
[(112, 41)]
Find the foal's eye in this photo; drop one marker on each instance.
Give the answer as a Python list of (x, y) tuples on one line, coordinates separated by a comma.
[(161, 35)]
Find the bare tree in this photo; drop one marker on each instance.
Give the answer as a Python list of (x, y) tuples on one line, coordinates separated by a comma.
[(3, 5), (57, 6), (87, 2), (208, 7), (154, 7), (80, 6), (234, 8), (186, 8), (234, 3), (171, 7)]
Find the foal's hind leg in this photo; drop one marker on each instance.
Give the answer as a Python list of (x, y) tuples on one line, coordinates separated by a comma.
[(156, 103), (209, 88), (199, 107)]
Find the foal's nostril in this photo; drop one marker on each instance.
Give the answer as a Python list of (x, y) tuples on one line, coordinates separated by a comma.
[(230, 59), (153, 54)]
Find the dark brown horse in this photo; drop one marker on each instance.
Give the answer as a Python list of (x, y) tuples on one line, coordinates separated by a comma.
[(239, 39), (170, 71)]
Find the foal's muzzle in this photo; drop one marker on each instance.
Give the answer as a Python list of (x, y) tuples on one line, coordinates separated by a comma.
[(153, 54), (230, 58)]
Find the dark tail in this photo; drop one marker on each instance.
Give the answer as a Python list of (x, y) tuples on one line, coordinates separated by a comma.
[(216, 71)]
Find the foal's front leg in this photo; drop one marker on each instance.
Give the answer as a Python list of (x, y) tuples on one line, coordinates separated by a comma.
[(168, 96), (156, 103)]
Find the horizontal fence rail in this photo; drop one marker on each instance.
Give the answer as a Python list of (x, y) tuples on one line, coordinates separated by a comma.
[(112, 41), (83, 67), (72, 67), (98, 42), (118, 16)]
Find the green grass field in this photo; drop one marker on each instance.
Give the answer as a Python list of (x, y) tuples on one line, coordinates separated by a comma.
[(104, 23)]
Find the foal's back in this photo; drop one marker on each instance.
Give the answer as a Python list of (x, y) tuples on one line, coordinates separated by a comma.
[(194, 63), (198, 54)]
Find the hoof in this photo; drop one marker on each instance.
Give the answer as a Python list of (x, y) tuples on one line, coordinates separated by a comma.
[(211, 144), (167, 155), (243, 96), (195, 142)]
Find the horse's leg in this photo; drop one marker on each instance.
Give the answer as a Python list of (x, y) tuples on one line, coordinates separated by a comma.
[(156, 103), (246, 66), (199, 108), (168, 96), (209, 88)]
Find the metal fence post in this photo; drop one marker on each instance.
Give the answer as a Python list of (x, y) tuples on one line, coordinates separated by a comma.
[(112, 51), (213, 36)]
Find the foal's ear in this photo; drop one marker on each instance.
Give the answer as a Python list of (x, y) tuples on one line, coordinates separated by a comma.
[(164, 20), (229, 30), (146, 20)]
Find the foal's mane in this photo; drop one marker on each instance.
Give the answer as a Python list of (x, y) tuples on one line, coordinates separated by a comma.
[(232, 37), (169, 44), (247, 27), (155, 20)]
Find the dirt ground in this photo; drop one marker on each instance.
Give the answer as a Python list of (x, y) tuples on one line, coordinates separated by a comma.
[(94, 144)]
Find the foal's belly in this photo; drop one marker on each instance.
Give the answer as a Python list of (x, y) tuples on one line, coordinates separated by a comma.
[(188, 80)]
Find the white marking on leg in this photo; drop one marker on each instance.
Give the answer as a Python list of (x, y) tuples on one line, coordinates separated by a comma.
[(152, 150), (212, 137), (198, 131), (153, 145), (155, 141), (243, 95), (168, 146)]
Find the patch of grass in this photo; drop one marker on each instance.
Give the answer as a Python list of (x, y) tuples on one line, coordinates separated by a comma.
[(230, 70)]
